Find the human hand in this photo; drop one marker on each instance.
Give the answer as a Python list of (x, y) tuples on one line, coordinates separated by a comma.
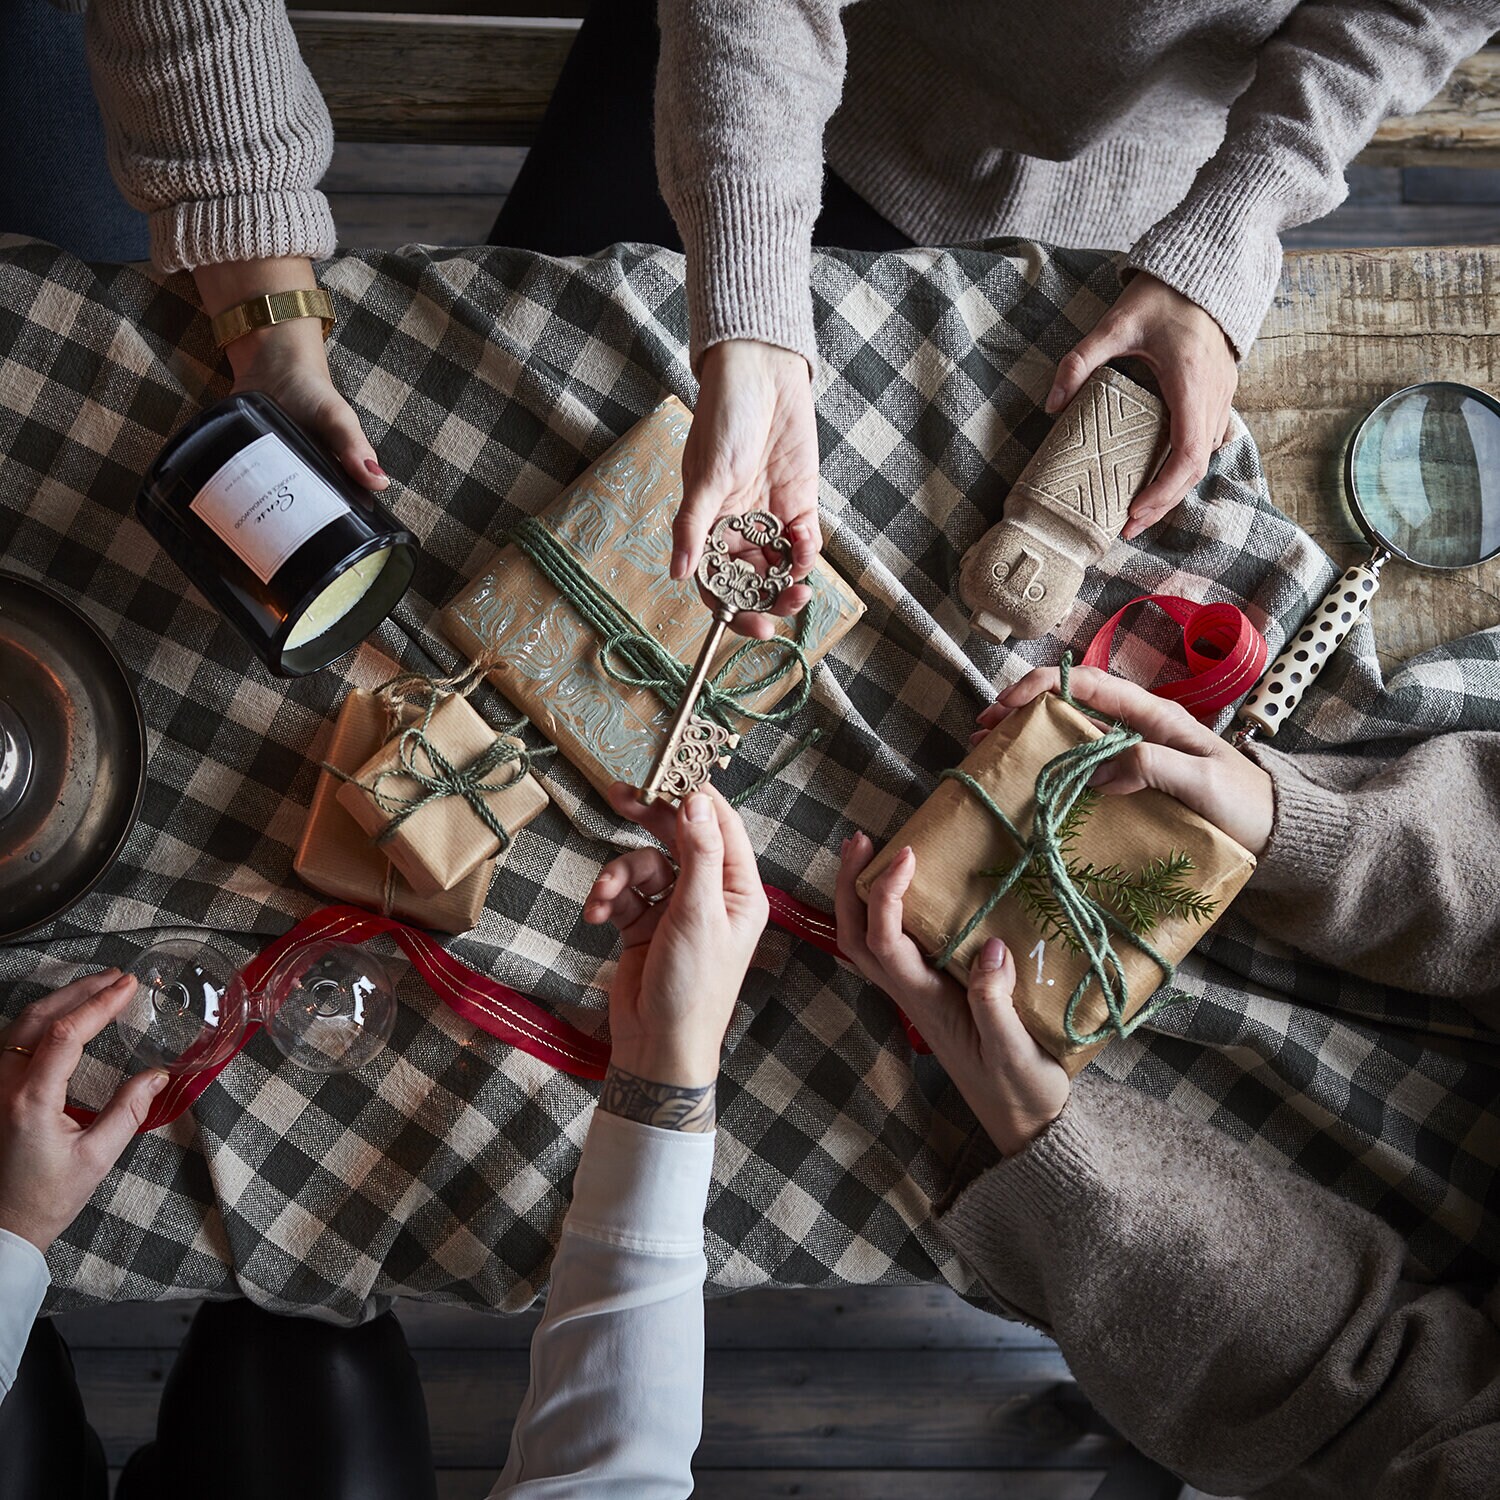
[(288, 362), (1177, 756), (1014, 1086), (753, 445), (1194, 365), (49, 1164), (689, 935)]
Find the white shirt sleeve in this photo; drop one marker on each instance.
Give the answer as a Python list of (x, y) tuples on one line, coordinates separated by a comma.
[(615, 1404), (23, 1284)]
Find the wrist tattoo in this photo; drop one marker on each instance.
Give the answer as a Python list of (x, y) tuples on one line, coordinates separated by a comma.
[(668, 1106)]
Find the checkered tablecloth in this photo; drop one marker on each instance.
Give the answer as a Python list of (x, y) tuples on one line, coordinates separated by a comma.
[(487, 379)]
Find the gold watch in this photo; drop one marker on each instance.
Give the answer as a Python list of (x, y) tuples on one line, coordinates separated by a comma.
[(270, 308)]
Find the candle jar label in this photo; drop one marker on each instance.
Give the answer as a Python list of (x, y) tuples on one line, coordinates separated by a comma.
[(264, 503)]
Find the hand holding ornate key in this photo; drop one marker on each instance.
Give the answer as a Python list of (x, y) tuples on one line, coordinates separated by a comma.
[(695, 744)]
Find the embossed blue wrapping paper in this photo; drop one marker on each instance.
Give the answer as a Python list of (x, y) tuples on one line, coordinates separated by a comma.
[(615, 519)]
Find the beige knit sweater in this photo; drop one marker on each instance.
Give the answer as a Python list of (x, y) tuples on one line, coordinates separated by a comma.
[(1189, 133), (1237, 1322), (216, 129)]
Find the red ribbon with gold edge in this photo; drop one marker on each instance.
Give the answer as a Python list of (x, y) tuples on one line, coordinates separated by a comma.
[(1225, 653), (492, 1007)]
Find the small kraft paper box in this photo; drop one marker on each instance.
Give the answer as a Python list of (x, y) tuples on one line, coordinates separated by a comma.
[(615, 521), (955, 838), (438, 845), (336, 857)]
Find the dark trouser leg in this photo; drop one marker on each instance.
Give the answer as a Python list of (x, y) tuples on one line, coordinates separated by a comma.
[(47, 1447), (590, 179), (261, 1407)]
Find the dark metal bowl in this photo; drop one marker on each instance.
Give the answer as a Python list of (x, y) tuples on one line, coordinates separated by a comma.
[(72, 755)]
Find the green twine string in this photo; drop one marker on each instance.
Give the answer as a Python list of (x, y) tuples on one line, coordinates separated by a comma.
[(643, 661), (1091, 925), (774, 770), (442, 778)]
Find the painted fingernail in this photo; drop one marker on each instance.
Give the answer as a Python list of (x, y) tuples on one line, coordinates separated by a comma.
[(374, 468), (992, 955), (699, 808)]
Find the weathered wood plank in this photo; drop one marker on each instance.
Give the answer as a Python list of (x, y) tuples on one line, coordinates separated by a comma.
[(835, 1484), (1463, 121), (1390, 224), (378, 167), (854, 1318), (1346, 329), (958, 1410), (425, 78), (892, 1484), (386, 221)]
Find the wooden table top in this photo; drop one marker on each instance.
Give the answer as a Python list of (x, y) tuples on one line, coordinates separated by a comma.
[(1347, 328)]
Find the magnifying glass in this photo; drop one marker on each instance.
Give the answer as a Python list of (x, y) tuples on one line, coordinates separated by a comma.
[(1422, 477)]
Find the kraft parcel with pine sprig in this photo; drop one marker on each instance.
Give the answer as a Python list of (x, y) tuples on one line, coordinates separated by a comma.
[(1098, 898)]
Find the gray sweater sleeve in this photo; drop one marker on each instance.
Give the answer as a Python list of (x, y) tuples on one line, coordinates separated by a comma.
[(736, 76), (1322, 85), (1241, 1325), (216, 129), (1389, 869)]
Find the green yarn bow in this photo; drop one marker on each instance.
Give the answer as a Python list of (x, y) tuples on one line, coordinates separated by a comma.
[(441, 777), (1091, 926), (632, 656)]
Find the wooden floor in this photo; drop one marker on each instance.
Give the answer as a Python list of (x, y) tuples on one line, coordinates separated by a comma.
[(874, 1394), (855, 1395)]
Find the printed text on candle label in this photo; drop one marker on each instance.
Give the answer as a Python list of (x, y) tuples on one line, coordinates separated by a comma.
[(264, 503)]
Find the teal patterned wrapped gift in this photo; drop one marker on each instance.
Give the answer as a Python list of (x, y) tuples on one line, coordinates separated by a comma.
[(615, 523)]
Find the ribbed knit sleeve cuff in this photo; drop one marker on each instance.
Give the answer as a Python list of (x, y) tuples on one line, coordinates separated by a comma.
[(1310, 827), (1221, 247), (749, 265), (1001, 1223), (254, 226)]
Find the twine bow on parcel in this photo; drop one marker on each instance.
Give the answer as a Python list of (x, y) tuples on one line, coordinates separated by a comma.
[(439, 777), (1092, 927)]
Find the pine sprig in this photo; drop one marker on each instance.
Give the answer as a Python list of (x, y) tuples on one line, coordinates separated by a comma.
[(1141, 899)]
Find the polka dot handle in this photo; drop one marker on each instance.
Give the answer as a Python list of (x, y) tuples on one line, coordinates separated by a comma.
[(1281, 689)]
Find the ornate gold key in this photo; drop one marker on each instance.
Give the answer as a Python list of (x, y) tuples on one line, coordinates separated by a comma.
[(695, 745)]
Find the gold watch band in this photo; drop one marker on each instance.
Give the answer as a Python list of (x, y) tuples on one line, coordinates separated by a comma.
[(272, 307)]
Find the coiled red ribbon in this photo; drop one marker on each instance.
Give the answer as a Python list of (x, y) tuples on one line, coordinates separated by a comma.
[(1226, 655)]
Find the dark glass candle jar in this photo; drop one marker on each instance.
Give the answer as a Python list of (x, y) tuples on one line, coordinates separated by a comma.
[(295, 555)]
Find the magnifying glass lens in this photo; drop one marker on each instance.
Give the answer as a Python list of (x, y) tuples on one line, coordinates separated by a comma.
[(1425, 469)]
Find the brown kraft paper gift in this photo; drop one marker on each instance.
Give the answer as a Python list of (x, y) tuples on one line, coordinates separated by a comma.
[(954, 838), (336, 857), (615, 520), (441, 843)]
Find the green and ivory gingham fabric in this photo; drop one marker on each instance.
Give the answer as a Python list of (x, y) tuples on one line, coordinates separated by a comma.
[(487, 379)]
